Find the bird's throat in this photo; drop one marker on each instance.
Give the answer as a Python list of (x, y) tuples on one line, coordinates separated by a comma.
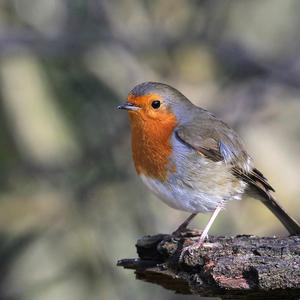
[(151, 145)]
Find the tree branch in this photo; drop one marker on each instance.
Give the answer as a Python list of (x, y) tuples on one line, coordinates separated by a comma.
[(229, 267)]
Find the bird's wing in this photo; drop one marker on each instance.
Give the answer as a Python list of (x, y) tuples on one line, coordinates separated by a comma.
[(216, 141)]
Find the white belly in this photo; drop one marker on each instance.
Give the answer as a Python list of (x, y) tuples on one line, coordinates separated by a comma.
[(180, 198), (198, 185)]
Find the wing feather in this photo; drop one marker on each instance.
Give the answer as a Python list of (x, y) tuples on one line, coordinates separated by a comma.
[(218, 142)]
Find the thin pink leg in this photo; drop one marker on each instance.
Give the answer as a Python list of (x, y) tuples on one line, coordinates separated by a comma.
[(203, 236), (207, 227)]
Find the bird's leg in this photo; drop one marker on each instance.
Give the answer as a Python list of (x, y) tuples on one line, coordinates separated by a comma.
[(203, 236), (207, 227), (184, 225)]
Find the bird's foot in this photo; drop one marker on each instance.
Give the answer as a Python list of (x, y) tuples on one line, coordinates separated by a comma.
[(190, 250)]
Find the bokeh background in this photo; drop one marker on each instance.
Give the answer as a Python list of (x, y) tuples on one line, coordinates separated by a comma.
[(70, 202)]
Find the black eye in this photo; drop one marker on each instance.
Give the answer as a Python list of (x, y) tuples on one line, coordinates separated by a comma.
[(155, 104)]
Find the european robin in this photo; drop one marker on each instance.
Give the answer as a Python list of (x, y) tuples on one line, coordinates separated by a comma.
[(190, 159)]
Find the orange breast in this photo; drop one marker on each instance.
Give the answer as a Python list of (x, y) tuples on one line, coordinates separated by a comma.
[(151, 145)]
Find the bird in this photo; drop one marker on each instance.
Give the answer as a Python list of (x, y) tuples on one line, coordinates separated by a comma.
[(192, 160)]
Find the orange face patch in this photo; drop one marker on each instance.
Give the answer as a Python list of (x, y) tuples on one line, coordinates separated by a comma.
[(144, 102), (151, 133)]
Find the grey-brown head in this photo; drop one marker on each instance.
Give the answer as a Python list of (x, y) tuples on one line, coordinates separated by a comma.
[(156, 99)]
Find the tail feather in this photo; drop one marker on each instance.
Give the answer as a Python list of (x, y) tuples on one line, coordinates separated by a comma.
[(287, 221), (261, 187)]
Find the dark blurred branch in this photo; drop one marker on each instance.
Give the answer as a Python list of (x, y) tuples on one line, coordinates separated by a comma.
[(238, 63), (58, 45), (229, 267)]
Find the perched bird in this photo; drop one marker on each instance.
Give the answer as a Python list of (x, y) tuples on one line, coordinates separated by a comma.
[(191, 160)]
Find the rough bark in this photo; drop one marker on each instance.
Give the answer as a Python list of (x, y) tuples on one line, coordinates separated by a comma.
[(240, 267)]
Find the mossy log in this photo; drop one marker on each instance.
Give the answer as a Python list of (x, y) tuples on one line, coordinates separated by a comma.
[(239, 267)]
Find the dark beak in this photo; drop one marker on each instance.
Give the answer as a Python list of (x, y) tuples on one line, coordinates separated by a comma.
[(128, 106)]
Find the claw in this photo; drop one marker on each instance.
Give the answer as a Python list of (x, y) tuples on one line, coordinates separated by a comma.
[(189, 250)]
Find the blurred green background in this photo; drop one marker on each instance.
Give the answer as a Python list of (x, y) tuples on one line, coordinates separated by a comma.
[(70, 201)]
